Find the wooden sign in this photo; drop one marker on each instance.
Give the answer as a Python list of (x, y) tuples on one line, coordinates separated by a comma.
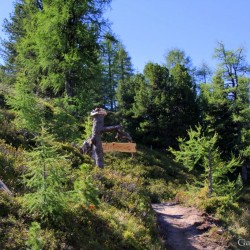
[(119, 147)]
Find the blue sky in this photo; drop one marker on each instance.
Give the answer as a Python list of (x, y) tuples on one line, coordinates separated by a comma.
[(149, 28)]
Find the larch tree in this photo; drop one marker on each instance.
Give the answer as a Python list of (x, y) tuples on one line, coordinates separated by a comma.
[(177, 56), (54, 49), (116, 65), (109, 81), (125, 94), (199, 150), (203, 73), (226, 107)]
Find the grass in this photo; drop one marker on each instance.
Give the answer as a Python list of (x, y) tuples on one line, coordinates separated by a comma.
[(126, 188), (123, 219)]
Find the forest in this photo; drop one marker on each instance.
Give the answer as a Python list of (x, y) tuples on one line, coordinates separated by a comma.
[(190, 123)]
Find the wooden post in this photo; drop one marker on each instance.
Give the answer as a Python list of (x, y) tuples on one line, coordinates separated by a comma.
[(98, 125), (93, 146)]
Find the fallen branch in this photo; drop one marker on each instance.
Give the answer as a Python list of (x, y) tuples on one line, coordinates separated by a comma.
[(4, 188)]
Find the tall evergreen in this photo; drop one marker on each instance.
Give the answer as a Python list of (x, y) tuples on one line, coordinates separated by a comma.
[(109, 81), (55, 48), (126, 92), (151, 105), (203, 73), (46, 179), (165, 104), (226, 103), (177, 56), (184, 110), (116, 65)]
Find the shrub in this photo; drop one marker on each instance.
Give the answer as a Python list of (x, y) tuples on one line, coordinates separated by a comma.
[(45, 178)]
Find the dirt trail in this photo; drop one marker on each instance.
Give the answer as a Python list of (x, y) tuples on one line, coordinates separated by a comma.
[(185, 228)]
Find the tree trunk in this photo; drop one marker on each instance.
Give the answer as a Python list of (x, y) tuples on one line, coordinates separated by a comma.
[(93, 146), (244, 173), (98, 124), (210, 174)]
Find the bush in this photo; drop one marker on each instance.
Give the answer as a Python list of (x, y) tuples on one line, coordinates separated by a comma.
[(219, 205), (10, 158)]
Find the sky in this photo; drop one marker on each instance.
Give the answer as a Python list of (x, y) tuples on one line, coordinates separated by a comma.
[(150, 28)]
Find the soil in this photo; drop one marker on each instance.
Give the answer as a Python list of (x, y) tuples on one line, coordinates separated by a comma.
[(186, 228)]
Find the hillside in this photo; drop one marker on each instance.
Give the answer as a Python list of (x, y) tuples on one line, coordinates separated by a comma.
[(92, 208), (112, 209), (66, 82)]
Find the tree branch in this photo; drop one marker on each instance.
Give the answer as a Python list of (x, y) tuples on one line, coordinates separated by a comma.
[(4, 188)]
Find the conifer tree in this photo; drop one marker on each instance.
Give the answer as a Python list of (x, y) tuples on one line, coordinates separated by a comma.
[(165, 104), (126, 92), (177, 56), (200, 151), (116, 65), (109, 51), (46, 178), (29, 112), (225, 104), (54, 48)]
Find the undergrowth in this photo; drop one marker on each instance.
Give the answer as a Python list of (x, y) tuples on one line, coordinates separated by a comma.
[(106, 208), (121, 218)]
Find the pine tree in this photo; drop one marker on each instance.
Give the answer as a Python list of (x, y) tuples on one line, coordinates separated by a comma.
[(151, 105), (126, 92), (54, 48), (29, 112), (226, 104), (183, 106), (200, 150), (165, 104), (46, 178), (117, 67)]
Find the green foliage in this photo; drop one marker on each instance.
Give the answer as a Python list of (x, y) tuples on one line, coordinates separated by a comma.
[(35, 241), (200, 150), (29, 111), (177, 56), (63, 124), (57, 69), (44, 59), (8, 130), (46, 178), (164, 103), (7, 204), (88, 124), (10, 158), (13, 232), (116, 67), (85, 193), (225, 104), (134, 234), (218, 114)]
